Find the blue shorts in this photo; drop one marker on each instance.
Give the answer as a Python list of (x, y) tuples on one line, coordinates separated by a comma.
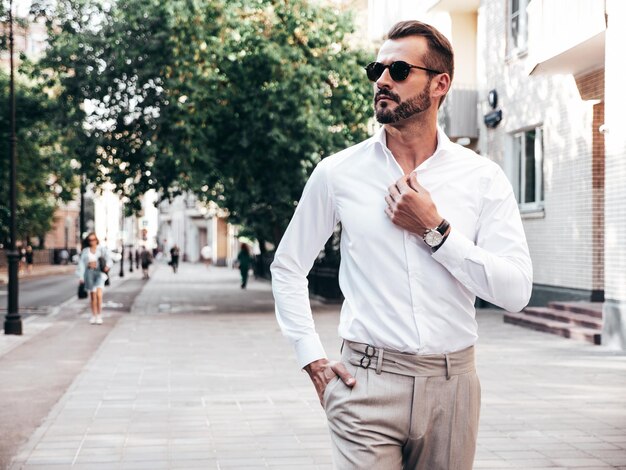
[(94, 279)]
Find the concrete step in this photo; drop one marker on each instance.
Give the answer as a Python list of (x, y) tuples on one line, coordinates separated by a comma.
[(593, 309), (566, 317), (590, 335)]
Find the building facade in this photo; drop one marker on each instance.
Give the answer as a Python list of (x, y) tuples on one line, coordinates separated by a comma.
[(202, 232), (548, 111)]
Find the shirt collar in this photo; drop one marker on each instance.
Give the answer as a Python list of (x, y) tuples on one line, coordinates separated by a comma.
[(444, 145)]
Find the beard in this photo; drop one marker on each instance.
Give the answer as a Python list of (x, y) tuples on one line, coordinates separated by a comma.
[(405, 109)]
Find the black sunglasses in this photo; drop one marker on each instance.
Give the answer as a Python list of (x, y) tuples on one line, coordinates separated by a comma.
[(398, 70)]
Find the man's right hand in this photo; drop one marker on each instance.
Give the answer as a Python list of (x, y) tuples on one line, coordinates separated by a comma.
[(323, 371)]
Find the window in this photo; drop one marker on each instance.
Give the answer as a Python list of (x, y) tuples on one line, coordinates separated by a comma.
[(517, 26), (527, 168)]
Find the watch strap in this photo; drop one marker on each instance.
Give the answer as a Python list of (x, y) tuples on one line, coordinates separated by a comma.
[(442, 228)]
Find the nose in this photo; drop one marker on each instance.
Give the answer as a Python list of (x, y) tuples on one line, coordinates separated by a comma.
[(384, 81)]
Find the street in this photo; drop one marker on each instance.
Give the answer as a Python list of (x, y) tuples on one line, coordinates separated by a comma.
[(40, 295)]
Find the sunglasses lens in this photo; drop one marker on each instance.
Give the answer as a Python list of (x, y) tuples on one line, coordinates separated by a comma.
[(399, 71), (374, 71)]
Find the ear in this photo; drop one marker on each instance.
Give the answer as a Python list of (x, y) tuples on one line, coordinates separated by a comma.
[(440, 86)]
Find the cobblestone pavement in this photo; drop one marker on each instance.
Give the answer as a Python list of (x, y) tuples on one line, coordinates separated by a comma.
[(199, 377)]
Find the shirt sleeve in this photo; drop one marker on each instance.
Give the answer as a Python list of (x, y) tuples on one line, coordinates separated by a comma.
[(496, 266), (312, 224)]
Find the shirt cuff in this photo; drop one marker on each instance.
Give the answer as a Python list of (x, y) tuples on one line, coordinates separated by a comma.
[(454, 251), (309, 349)]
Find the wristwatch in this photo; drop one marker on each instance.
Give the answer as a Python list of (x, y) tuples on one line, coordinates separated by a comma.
[(434, 237)]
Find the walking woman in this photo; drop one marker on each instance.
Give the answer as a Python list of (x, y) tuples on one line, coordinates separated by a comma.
[(93, 265), (244, 259)]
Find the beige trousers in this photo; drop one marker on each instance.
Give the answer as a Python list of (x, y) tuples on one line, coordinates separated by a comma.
[(405, 412)]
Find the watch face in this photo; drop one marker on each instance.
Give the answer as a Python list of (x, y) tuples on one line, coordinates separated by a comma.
[(433, 238)]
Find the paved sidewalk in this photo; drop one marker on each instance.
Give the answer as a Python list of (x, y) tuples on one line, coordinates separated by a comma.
[(37, 367), (199, 377), (39, 271)]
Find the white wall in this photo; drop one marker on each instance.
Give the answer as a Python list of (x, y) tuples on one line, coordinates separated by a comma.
[(559, 238), (615, 141)]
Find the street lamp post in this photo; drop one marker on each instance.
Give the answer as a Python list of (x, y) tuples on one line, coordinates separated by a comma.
[(13, 320), (122, 236)]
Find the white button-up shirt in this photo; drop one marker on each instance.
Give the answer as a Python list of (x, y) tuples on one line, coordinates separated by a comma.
[(398, 294)]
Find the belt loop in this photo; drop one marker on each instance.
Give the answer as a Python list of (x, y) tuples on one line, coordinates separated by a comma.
[(343, 343), (379, 362), (447, 367)]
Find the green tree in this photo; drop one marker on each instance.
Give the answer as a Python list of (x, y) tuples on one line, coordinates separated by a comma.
[(233, 100), (44, 174), (279, 89)]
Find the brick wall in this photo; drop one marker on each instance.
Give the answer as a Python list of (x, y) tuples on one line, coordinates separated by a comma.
[(560, 237), (70, 215)]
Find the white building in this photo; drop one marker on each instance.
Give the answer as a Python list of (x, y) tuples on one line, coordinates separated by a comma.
[(192, 226), (549, 108)]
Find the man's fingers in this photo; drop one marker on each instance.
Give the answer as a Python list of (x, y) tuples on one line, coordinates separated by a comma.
[(394, 192), (389, 200), (414, 184), (343, 374), (402, 185)]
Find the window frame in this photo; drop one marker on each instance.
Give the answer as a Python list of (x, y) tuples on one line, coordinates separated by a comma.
[(522, 33), (518, 168)]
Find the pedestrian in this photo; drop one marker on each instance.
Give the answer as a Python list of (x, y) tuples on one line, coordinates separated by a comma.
[(22, 260), (243, 260), (64, 256), (205, 254), (94, 264), (174, 254), (427, 226), (146, 261), (130, 259), (137, 258), (30, 259)]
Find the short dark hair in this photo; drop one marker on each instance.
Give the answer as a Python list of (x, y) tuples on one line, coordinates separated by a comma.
[(441, 55)]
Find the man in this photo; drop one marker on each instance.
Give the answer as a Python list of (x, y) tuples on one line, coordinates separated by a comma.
[(427, 226), (175, 254), (146, 261)]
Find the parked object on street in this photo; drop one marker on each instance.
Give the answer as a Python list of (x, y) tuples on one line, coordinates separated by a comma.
[(244, 259), (410, 270), (93, 267)]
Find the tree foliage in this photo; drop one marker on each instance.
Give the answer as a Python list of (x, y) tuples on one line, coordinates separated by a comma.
[(233, 100), (44, 174)]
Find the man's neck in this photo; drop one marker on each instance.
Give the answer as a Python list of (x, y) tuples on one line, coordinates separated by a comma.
[(412, 143)]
